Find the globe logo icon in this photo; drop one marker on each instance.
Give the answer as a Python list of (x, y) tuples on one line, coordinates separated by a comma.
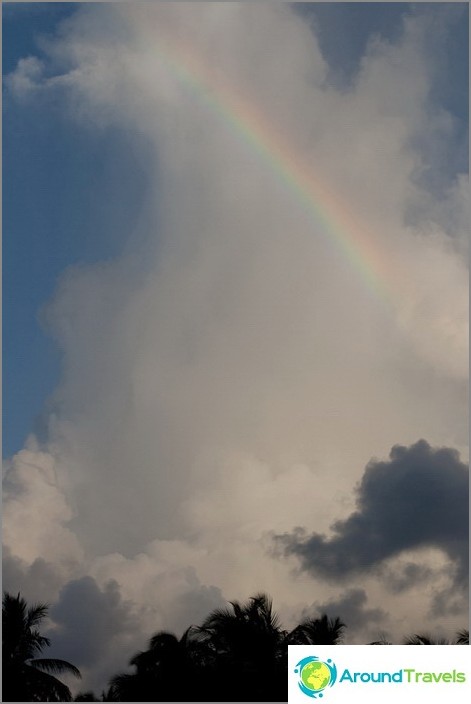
[(315, 676)]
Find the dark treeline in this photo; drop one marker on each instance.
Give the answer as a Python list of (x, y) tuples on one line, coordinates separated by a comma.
[(237, 654)]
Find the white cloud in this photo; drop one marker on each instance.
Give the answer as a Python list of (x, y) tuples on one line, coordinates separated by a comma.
[(37, 514), (26, 78)]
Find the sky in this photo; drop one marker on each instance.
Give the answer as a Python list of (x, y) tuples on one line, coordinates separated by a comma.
[(235, 316)]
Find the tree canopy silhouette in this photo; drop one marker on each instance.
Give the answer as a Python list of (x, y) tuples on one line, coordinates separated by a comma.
[(158, 670), (26, 677), (462, 638), (238, 653), (318, 631)]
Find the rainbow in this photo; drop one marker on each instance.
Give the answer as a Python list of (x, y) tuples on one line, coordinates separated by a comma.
[(344, 227)]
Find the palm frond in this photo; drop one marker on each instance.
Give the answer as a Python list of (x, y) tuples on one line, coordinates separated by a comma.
[(380, 642), (321, 631), (123, 678), (425, 639), (46, 687), (55, 666), (36, 614), (123, 687), (462, 637)]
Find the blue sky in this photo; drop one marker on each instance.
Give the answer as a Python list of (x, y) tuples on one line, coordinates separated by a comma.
[(55, 177), (212, 356)]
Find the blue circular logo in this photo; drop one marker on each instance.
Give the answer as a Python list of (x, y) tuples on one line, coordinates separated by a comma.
[(315, 676)]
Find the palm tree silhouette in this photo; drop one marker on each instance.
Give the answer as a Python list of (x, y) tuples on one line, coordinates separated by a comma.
[(26, 677), (318, 631), (239, 653), (158, 670), (246, 644), (462, 638), (252, 625)]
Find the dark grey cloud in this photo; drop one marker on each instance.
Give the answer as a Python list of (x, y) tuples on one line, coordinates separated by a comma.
[(351, 608), (417, 499), (402, 577), (89, 620)]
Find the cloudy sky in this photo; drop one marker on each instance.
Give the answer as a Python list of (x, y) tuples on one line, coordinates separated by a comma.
[(235, 317)]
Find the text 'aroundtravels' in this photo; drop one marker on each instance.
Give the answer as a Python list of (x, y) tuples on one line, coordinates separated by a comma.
[(404, 675)]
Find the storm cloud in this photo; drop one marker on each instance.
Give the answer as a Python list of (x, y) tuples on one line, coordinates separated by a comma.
[(352, 608), (94, 628), (417, 499)]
